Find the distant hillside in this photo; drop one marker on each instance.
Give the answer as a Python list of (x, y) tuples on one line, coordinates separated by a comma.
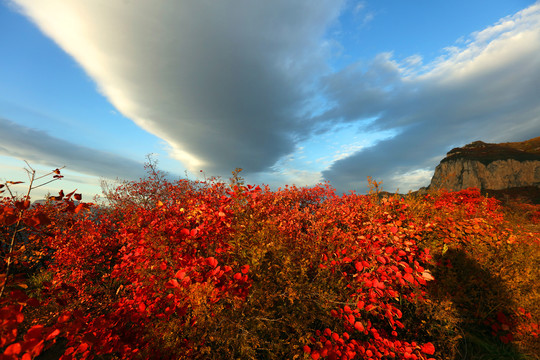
[(490, 166)]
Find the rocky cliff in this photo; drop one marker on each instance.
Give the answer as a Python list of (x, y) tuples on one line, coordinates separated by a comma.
[(490, 166)]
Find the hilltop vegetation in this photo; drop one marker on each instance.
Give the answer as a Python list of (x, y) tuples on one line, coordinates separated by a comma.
[(214, 270)]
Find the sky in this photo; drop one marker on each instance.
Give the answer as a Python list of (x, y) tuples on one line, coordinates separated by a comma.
[(293, 92)]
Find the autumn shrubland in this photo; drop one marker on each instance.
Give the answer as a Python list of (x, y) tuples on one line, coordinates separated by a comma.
[(224, 270)]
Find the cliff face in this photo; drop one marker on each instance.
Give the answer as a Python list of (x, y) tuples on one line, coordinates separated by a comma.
[(490, 166)]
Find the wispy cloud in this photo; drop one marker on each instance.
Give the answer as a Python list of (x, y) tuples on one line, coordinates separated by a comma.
[(39, 147)]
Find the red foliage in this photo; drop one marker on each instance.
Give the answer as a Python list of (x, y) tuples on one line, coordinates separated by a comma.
[(136, 278)]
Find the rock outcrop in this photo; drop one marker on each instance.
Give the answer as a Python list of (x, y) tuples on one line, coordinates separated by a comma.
[(490, 166)]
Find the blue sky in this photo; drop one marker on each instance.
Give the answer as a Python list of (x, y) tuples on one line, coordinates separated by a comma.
[(292, 92)]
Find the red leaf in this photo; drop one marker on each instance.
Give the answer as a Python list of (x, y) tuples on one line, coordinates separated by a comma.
[(212, 261), (64, 317), (409, 278), (35, 332), (53, 335), (171, 284), (22, 205), (33, 302), (13, 349), (359, 326), (78, 197), (32, 222), (37, 219), (43, 219), (245, 269), (358, 266), (84, 346), (428, 348), (20, 317)]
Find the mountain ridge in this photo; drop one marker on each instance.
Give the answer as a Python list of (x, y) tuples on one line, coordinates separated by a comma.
[(505, 168)]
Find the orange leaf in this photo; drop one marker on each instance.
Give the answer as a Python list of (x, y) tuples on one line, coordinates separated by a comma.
[(427, 275)]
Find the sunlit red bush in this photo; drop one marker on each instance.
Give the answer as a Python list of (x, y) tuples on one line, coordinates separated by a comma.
[(213, 270)]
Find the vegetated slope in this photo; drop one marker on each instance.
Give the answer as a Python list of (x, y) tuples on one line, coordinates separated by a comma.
[(209, 270), (487, 153), (531, 146)]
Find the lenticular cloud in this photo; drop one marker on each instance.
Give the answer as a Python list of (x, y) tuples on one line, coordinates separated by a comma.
[(220, 84)]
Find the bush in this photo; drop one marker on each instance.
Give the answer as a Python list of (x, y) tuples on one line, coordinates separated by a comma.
[(231, 271)]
